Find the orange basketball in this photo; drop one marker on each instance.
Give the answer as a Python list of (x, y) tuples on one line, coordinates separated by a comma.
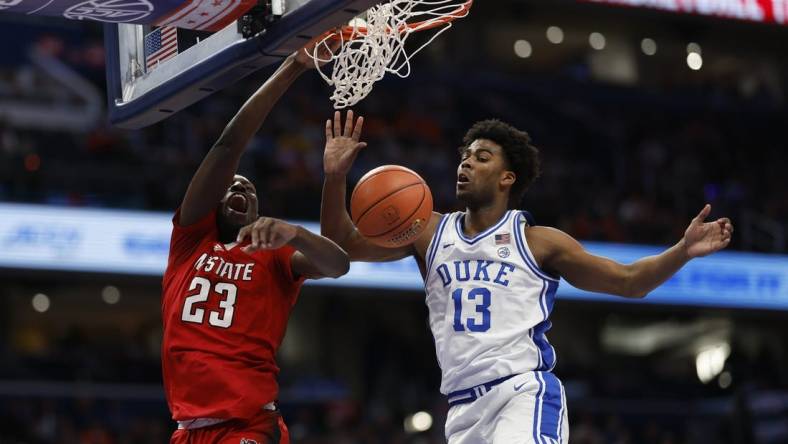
[(391, 206)]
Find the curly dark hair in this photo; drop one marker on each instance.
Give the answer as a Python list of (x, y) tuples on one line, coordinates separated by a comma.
[(521, 156)]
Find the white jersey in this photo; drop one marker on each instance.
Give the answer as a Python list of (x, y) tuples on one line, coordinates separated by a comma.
[(488, 302)]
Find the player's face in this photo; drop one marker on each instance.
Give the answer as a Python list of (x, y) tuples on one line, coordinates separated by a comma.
[(239, 204), (481, 173)]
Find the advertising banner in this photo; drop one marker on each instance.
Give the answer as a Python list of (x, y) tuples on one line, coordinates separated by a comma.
[(763, 11), (136, 243)]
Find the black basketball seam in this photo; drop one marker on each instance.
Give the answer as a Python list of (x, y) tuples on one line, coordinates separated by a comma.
[(381, 172), (355, 222), (423, 196)]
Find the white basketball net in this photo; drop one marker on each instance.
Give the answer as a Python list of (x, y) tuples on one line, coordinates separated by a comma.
[(376, 45)]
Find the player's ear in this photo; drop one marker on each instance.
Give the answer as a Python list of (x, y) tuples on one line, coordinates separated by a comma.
[(508, 178)]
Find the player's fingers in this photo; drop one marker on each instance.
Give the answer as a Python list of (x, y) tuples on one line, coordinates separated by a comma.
[(703, 213), (358, 128), (360, 146), (348, 123), (273, 241), (242, 233), (255, 238), (337, 124), (265, 235), (329, 132)]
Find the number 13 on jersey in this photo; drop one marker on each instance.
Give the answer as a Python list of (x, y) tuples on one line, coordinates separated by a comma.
[(482, 298)]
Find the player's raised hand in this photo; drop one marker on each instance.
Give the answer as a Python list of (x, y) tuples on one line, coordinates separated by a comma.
[(267, 233), (317, 52), (342, 143), (703, 238)]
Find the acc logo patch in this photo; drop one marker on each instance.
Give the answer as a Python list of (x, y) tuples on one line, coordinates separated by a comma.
[(248, 441), (390, 214), (503, 252)]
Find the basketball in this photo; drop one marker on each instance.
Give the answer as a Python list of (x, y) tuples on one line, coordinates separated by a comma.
[(391, 206)]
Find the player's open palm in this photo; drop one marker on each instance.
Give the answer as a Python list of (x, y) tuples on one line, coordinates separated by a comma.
[(267, 233), (703, 238), (342, 143)]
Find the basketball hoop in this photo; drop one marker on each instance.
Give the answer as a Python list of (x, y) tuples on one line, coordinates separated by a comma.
[(373, 46)]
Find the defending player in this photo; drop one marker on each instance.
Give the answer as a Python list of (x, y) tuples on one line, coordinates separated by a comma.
[(231, 281), (491, 276)]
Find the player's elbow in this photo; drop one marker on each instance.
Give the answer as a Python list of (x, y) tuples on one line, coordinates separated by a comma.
[(631, 293), (338, 267), (634, 289), (636, 294), (342, 268), (630, 286)]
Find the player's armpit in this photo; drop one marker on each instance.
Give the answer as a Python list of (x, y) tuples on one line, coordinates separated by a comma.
[(560, 254), (361, 250)]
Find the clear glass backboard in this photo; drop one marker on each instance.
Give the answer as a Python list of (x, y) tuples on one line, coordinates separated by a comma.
[(153, 72)]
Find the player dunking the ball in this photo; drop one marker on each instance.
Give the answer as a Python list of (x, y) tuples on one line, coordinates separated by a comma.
[(232, 278), (491, 276)]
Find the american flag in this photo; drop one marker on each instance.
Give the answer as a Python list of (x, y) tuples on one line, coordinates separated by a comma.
[(503, 238), (160, 45)]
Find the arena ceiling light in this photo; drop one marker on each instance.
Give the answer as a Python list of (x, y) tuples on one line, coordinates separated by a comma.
[(648, 46), (523, 49), (40, 302), (694, 61), (693, 47), (710, 361), (418, 422), (555, 35), (110, 294), (597, 41)]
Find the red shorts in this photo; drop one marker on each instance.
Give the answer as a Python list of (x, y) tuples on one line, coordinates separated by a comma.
[(267, 427)]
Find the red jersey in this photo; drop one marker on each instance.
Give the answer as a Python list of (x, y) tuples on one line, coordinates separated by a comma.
[(225, 314)]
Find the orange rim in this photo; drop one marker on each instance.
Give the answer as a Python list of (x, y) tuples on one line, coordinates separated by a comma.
[(351, 33)]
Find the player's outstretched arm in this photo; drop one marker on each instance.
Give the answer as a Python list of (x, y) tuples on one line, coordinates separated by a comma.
[(342, 146), (315, 256), (569, 259), (216, 171)]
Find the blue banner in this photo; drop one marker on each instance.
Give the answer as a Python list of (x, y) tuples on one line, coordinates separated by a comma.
[(136, 243)]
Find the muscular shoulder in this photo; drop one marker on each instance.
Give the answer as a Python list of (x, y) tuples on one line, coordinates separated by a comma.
[(546, 244)]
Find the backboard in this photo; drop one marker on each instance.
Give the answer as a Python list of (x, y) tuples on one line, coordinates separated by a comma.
[(141, 94)]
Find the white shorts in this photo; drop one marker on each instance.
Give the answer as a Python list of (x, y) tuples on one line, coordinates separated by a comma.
[(527, 409)]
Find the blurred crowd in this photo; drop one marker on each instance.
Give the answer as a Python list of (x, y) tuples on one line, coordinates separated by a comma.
[(618, 164), (91, 386), (87, 420)]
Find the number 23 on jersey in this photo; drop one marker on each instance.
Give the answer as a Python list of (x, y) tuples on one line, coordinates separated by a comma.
[(221, 319)]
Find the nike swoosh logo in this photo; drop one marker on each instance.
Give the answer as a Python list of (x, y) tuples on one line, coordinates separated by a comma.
[(447, 245), (518, 387)]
